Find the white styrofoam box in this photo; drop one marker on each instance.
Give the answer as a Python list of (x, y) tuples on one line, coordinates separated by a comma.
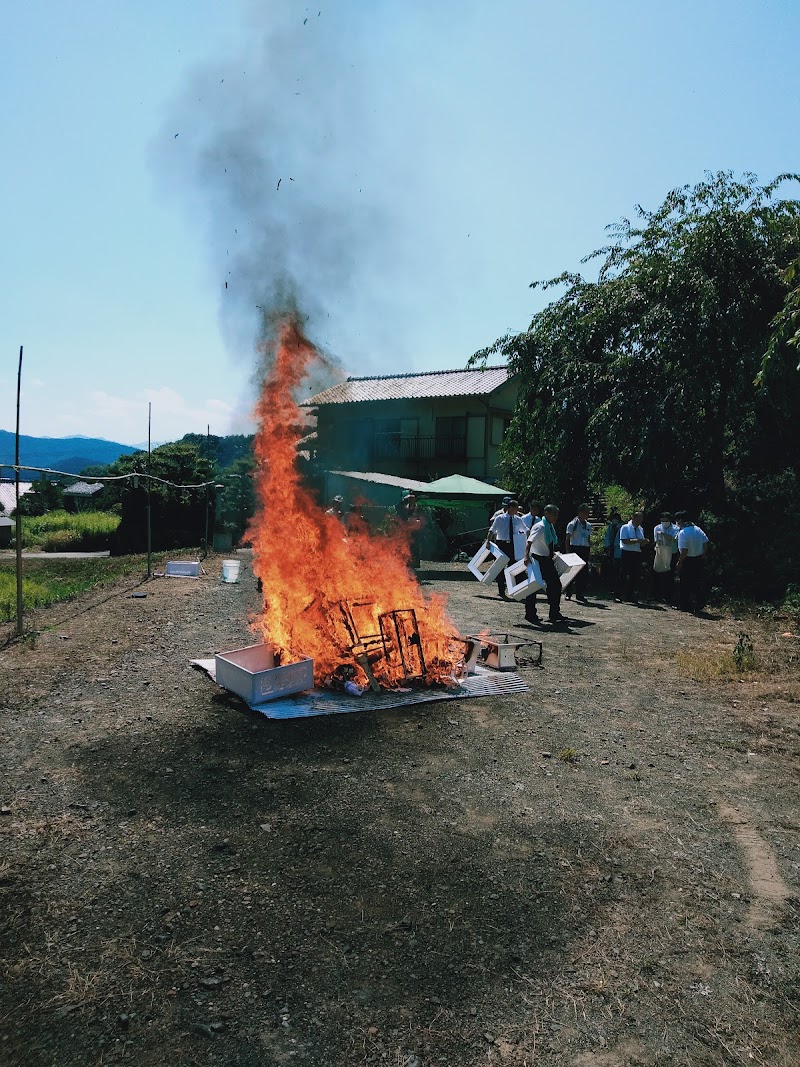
[(251, 674), (567, 564), (484, 555), (523, 578), (182, 568)]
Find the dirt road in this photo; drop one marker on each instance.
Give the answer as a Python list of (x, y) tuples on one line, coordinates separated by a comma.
[(601, 871)]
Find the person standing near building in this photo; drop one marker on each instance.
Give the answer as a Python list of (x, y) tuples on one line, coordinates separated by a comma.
[(693, 548), (665, 538), (542, 542), (337, 508), (510, 534), (409, 513), (632, 540), (579, 533)]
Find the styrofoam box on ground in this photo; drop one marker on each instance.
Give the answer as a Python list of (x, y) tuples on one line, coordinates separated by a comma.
[(182, 568), (523, 578), (251, 674), (484, 555), (567, 564)]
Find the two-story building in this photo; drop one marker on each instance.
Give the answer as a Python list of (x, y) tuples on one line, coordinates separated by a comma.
[(416, 426)]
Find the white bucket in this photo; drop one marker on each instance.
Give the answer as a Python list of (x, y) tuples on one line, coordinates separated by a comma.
[(230, 570)]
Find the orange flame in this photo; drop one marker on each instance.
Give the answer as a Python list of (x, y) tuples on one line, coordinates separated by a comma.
[(314, 572)]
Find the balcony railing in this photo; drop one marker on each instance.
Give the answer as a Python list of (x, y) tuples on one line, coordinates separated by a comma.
[(396, 446)]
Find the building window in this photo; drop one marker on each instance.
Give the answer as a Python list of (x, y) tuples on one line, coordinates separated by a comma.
[(500, 427), (451, 437)]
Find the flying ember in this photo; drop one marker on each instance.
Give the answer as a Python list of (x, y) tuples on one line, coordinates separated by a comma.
[(345, 598)]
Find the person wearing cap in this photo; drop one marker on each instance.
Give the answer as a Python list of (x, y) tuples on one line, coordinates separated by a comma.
[(665, 560), (693, 548), (632, 540), (337, 508), (579, 533), (541, 546), (502, 510), (510, 534)]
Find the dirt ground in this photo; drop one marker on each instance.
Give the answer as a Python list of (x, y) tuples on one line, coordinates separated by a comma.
[(602, 871)]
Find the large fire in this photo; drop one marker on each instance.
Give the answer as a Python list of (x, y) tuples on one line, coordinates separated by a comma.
[(344, 597)]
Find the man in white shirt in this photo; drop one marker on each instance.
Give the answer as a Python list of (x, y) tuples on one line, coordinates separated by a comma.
[(579, 533), (534, 515), (632, 540), (693, 548), (510, 534), (665, 538), (542, 541)]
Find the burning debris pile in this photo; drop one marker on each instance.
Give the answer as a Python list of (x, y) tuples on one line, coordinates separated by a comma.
[(346, 599)]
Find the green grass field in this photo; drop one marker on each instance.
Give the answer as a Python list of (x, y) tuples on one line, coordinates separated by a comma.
[(61, 531), (46, 581)]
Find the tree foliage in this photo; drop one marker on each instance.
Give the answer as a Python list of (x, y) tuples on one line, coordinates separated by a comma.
[(645, 375)]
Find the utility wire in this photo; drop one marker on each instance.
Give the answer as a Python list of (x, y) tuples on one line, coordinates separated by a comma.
[(89, 478)]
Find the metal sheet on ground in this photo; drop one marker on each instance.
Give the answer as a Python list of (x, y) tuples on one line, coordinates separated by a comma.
[(483, 683)]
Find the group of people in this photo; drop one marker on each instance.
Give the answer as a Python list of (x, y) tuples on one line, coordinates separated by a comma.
[(680, 547)]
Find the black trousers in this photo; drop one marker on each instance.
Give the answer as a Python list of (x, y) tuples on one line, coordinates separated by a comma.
[(552, 586), (581, 579), (508, 548), (663, 582), (693, 584), (630, 574)]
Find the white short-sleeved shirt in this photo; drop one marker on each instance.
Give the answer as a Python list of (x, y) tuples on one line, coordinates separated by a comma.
[(692, 538), (529, 519), (579, 533), (499, 531), (537, 539), (629, 530), (667, 530)]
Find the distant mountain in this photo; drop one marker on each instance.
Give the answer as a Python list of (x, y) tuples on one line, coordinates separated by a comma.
[(70, 454)]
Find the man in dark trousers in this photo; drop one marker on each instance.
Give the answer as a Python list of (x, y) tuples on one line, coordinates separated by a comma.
[(509, 532), (579, 533), (542, 542), (693, 548), (632, 540)]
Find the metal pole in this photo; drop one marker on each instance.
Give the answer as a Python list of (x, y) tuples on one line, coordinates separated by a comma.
[(18, 516), (149, 531), (208, 449)]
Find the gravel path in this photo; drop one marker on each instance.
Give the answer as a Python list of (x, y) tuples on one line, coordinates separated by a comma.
[(601, 871)]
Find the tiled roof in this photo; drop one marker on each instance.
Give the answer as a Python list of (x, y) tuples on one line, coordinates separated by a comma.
[(413, 386), (83, 488), (8, 495)]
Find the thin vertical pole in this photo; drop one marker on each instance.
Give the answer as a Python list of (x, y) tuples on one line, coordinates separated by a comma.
[(208, 449), (149, 529), (18, 516)]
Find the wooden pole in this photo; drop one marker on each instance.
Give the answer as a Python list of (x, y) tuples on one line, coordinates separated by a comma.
[(208, 450), (18, 516), (149, 530)]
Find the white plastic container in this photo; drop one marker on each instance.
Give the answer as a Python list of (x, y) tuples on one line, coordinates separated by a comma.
[(251, 674), (523, 579), (230, 570), (567, 564), (492, 558), (182, 568)]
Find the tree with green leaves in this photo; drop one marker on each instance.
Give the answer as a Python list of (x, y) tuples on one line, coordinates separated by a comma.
[(645, 376)]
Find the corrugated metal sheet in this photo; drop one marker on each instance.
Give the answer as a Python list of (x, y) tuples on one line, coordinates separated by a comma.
[(413, 386)]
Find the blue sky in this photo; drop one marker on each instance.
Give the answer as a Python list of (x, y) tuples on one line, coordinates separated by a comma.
[(403, 172)]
